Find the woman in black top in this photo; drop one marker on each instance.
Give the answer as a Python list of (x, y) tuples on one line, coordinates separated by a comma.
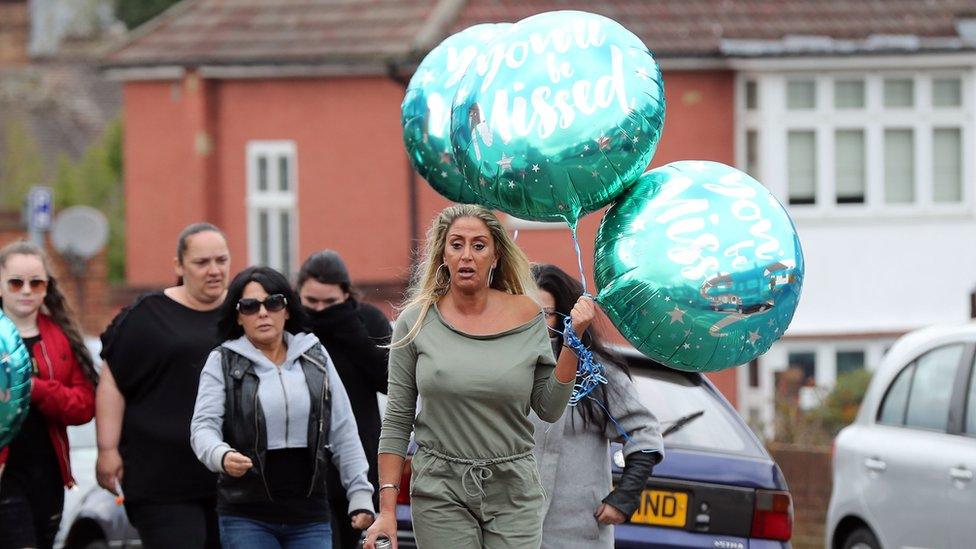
[(154, 351), (354, 334)]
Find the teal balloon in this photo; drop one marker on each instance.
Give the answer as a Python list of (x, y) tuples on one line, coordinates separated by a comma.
[(699, 266), (426, 110), (15, 376), (562, 113)]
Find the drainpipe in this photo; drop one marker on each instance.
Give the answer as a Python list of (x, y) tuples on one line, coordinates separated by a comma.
[(413, 200)]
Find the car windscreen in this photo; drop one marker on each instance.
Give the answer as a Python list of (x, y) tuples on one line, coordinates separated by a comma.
[(694, 415)]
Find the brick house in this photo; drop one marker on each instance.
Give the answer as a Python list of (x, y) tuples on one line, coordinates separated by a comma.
[(279, 121)]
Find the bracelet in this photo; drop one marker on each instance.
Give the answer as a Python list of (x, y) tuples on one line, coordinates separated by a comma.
[(385, 486)]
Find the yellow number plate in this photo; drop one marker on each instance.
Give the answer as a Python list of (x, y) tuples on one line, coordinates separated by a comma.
[(662, 508)]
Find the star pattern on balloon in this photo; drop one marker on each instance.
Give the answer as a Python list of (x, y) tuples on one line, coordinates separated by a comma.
[(754, 337), (505, 163), (535, 167), (603, 142), (677, 315), (428, 78)]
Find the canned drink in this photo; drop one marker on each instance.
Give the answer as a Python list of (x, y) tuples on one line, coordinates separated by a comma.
[(383, 543)]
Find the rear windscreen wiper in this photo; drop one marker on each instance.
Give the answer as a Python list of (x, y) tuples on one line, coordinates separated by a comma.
[(679, 423)]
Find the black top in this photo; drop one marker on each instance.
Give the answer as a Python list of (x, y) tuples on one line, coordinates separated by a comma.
[(155, 350), (287, 472), (31, 451), (353, 333)]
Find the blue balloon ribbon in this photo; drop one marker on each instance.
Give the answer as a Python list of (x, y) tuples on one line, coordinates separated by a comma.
[(589, 372)]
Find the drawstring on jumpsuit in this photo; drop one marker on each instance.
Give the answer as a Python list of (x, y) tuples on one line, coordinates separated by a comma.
[(477, 470)]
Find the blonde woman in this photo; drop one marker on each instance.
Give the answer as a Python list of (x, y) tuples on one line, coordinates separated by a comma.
[(476, 348)]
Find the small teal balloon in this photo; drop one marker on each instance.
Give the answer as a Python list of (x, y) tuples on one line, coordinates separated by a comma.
[(15, 377), (426, 110), (562, 113), (699, 266)]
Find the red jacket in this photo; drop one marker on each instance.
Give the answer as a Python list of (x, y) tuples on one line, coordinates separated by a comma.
[(60, 391)]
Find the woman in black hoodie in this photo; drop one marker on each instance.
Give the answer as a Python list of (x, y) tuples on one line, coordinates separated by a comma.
[(354, 334)]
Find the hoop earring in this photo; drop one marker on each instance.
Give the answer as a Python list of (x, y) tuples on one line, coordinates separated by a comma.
[(437, 275), (491, 273)]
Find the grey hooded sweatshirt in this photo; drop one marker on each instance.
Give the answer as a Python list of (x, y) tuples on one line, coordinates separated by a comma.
[(284, 400)]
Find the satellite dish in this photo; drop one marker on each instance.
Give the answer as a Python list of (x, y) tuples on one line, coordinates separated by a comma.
[(79, 232)]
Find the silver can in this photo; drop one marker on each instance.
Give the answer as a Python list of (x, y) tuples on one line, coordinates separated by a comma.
[(383, 543)]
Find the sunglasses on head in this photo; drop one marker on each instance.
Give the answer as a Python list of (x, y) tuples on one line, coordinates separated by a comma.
[(273, 303), (37, 285)]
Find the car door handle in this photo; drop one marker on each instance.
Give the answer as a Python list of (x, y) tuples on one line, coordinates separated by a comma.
[(875, 464), (961, 474)]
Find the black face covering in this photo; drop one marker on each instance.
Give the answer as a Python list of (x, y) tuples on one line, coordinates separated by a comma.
[(331, 320)]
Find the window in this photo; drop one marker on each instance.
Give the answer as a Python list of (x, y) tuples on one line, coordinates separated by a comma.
[(920, 395), (803, 167), (899, 151), (754, 373), (849, 94), (271, 204), (801, 95), (849, 166), (970, 427), (928, 401), (849, 361), (893, 406), (860, 142)]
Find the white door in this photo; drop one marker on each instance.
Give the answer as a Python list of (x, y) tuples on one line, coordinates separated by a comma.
[(908, 454), (960, 477)]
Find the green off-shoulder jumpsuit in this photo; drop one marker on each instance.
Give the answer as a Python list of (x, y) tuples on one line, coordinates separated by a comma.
[(475, 482)]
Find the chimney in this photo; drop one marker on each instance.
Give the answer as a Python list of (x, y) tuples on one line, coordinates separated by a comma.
[(14, 33)]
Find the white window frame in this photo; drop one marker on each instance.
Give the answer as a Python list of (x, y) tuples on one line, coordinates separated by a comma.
[(772, 121), (272, 201)]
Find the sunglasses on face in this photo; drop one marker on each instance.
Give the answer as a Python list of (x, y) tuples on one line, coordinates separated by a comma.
[(273, 303), (37, 285)]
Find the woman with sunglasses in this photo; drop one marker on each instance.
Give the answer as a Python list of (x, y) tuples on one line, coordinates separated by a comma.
[(154, 351), (62, 393), (271, 417), (572, 451)]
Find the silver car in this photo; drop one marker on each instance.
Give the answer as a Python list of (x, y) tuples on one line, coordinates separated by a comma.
[(904, 470), (91, 519)]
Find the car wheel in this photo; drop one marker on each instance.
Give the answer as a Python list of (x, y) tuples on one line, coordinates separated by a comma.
[(97, 544), (862, 538)]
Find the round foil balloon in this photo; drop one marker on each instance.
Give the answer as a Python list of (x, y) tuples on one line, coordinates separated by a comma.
[(426, 110), (15, 374), (558, 117), (699, 266)]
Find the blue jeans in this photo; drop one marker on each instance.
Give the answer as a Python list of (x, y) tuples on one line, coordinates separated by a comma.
[(244, 533)]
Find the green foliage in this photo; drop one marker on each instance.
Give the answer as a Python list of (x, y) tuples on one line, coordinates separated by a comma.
[(21, 166), (841, 405), (96, 180), (820, 425), (136, 12)]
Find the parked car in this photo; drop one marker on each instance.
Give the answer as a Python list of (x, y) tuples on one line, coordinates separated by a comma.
[(717, 486), (903, 471), (91, 519)]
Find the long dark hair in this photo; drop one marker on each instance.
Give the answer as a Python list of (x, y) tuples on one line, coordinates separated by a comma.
[(566, 290), (273, 282), (55, 306)]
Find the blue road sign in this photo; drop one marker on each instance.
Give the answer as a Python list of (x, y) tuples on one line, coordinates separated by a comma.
[(40, 208)]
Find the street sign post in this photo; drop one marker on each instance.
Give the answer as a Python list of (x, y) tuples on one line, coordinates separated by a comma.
[(40, 209)]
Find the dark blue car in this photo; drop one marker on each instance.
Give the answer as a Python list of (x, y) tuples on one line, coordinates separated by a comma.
[(717, 486)]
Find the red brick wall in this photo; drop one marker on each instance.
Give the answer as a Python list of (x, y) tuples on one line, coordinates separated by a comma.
[(14, 33), (808, 474)]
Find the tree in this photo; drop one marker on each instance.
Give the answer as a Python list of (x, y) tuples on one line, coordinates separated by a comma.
[(21, 166), (136, 12), (96, 180)]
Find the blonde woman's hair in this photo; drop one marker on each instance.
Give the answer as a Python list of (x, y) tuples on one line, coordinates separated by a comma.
[(513, 273)]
